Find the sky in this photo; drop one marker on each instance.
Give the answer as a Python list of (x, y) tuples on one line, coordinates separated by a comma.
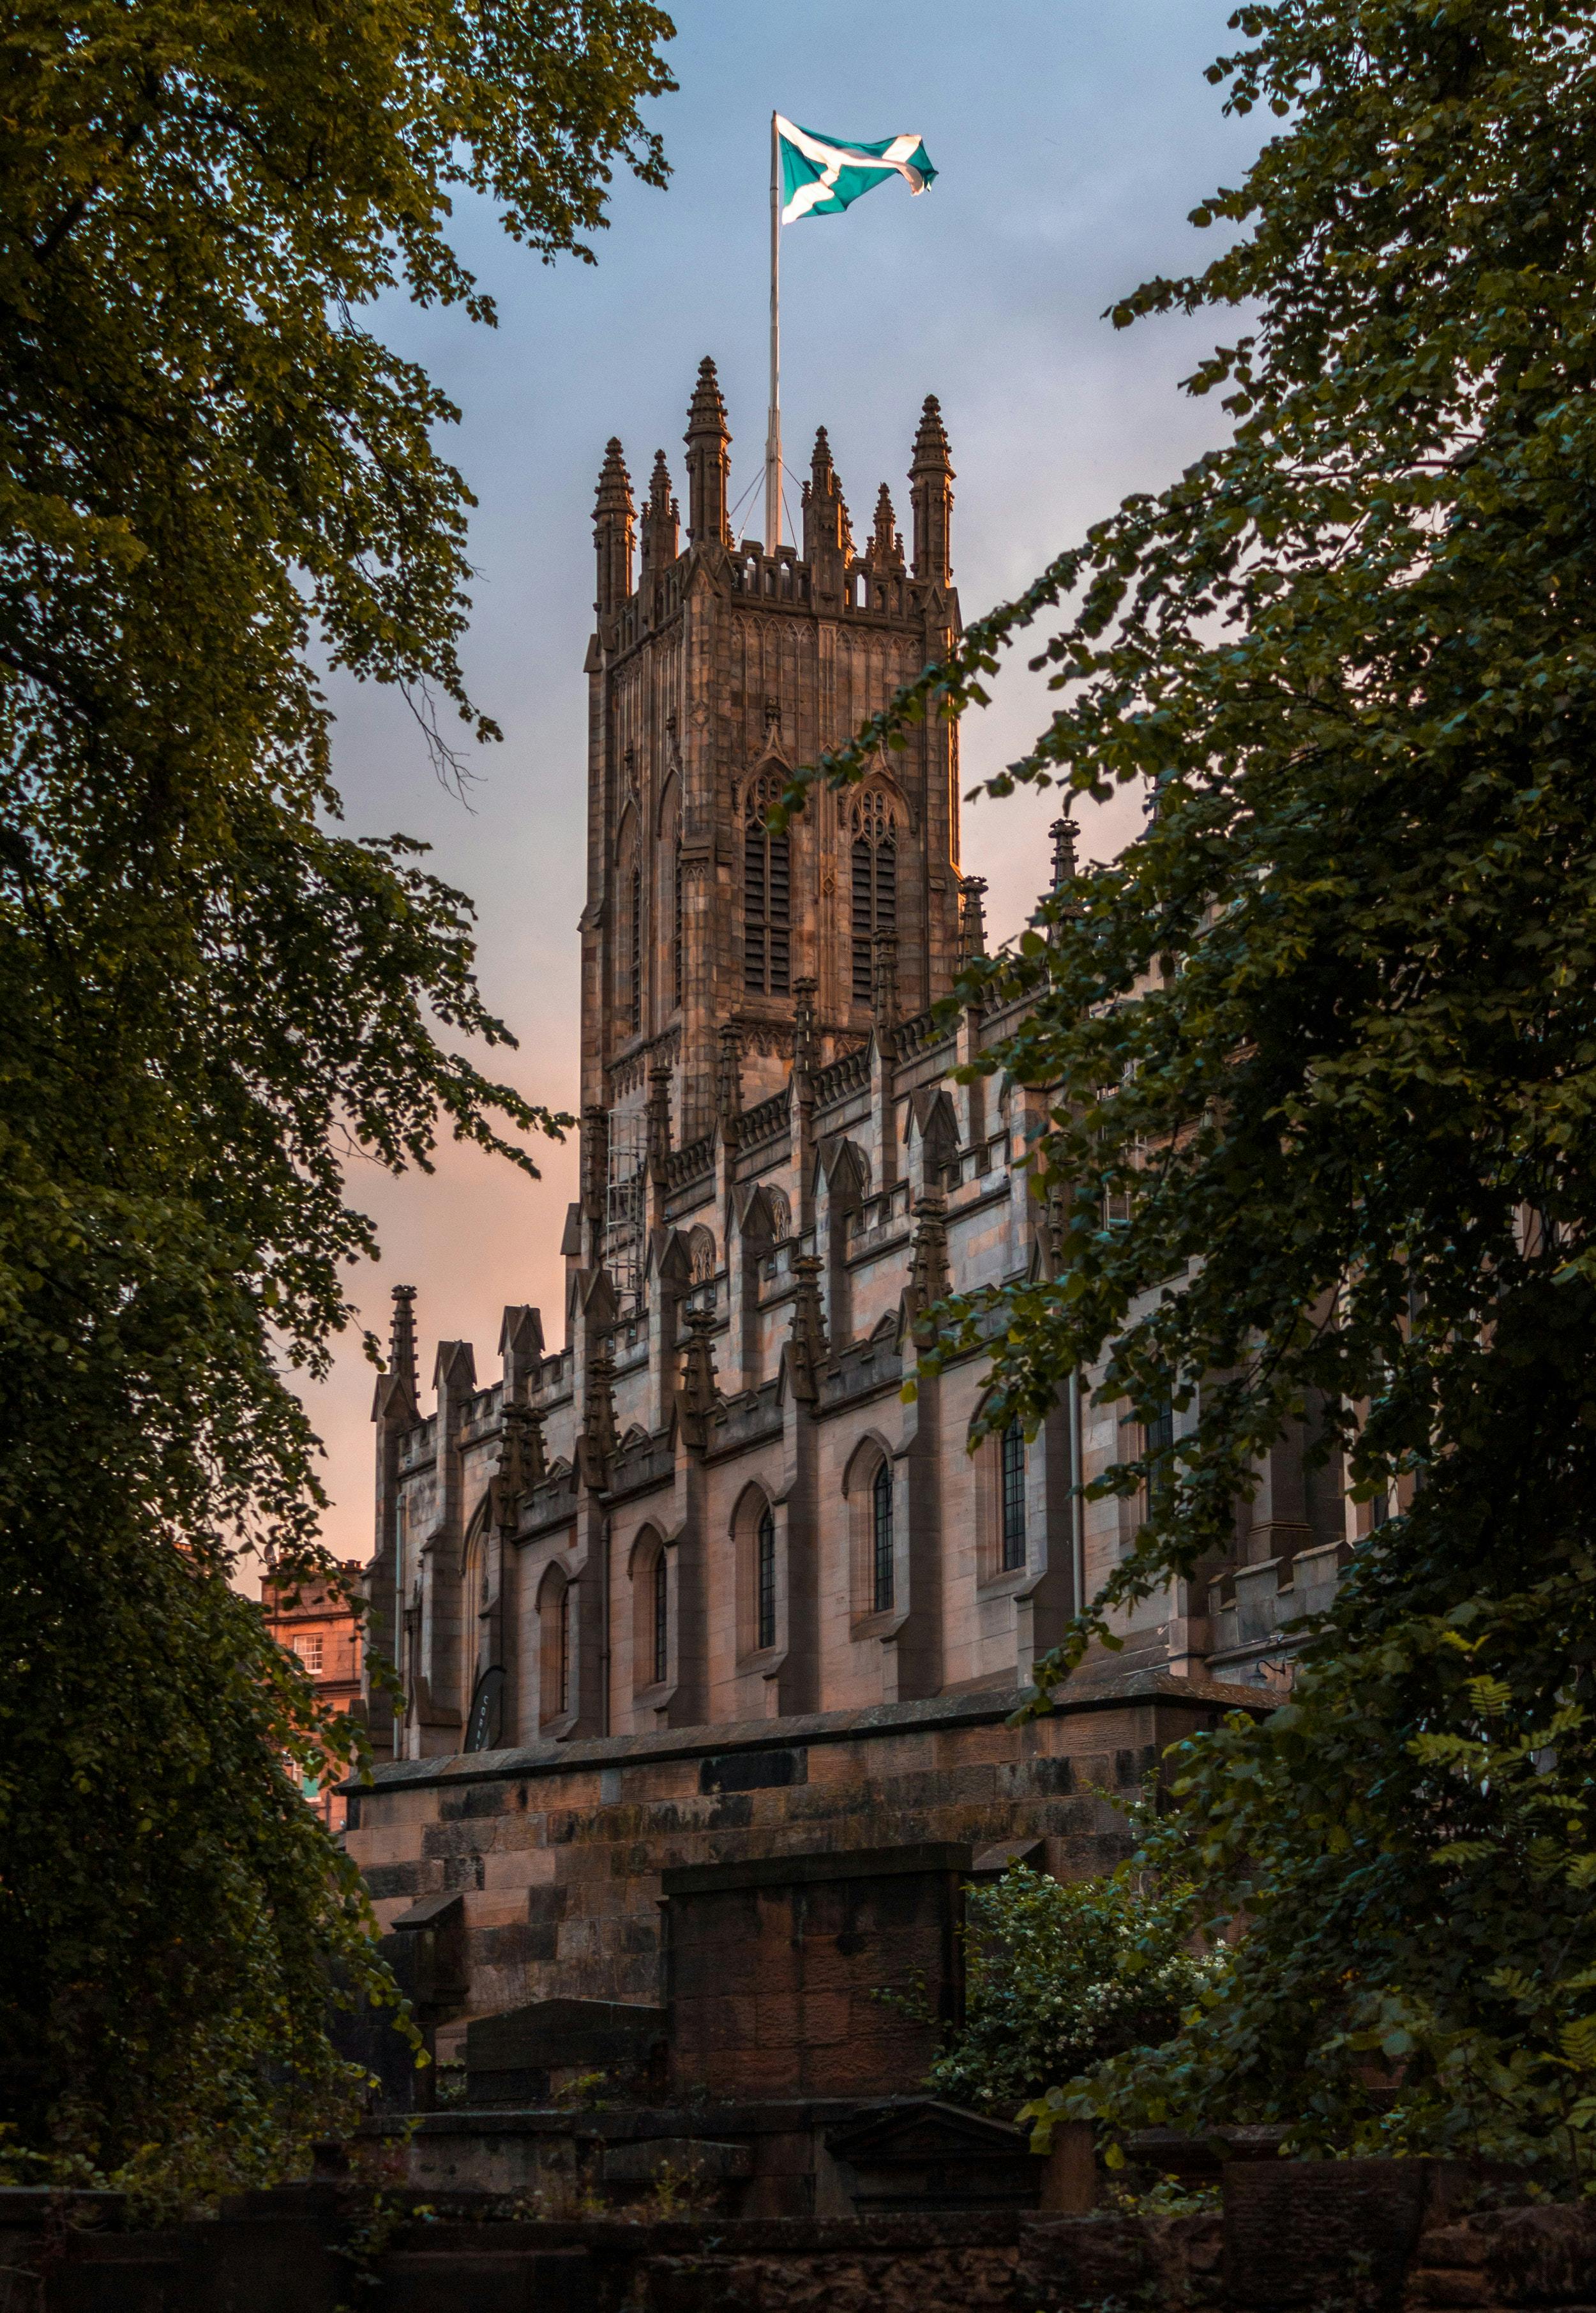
[(1072, 138)]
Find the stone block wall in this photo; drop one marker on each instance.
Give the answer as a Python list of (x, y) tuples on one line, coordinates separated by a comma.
[(558, 1851)]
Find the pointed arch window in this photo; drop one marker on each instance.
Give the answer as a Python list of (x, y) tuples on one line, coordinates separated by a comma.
[(1012, 1487), (765, 1575), (767, 894), (874, 886), (661, 1617), (880, 1534), (635, 985)]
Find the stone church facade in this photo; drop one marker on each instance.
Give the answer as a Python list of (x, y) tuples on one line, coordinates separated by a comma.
[(704, 1588)]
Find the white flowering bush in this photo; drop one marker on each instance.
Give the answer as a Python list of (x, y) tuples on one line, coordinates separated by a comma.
[(1062, 1974)]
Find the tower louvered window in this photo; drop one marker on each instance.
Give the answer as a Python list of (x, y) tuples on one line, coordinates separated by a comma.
[(874, 885), (766, 896), (635, 993)]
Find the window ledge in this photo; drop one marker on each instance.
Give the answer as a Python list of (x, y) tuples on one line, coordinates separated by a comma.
[(1006, 1584)]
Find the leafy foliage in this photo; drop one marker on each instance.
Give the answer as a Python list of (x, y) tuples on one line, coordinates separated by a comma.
[(1327, 1028), (1062, 1975), (209, 996)]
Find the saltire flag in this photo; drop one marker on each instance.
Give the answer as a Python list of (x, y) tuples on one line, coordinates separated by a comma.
[(821, 175)]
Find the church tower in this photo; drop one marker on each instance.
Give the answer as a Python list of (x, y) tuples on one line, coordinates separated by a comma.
[(711, 941)]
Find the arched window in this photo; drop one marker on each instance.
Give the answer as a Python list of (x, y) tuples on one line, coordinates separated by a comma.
[(874, 884), (766, 895), (557, 1680), (1012, 1491), (636, 994), (880, 1536), (661, 1617), (765, 1579)]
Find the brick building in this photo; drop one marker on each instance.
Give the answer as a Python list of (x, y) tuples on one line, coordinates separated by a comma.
[(701, 1589), (324, 1633)]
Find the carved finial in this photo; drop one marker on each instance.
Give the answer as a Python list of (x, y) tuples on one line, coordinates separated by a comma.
[(1064, 868), (931, 476), (885, 551), (805, 1053), (401, 1339), (884, 949), (661, 516), (729, 1079), (826, 531), (708, 439), (809, 1353), (972, 918), (659, 1119), (396, 1399), (697, 1392), (595, 1161), (612, 530), (511, 1479), (597, 1442), (930, 1279)]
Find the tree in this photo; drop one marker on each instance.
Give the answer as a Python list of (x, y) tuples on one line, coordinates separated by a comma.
[(1328, 1026), (208, 994), (1061, 1975)]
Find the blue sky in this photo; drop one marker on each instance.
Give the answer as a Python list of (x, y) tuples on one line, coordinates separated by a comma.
[(1071, 140)]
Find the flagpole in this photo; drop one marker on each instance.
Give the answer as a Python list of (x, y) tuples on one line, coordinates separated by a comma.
[(773, 427)]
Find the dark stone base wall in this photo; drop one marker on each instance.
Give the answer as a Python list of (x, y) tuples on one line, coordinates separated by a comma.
[(1385, 2237), (558, 1851)]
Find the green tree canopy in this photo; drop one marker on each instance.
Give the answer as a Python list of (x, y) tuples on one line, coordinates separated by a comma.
[(214, 476), (1329, 1025)]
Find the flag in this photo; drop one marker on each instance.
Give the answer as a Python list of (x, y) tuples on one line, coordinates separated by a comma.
[(821, 175)]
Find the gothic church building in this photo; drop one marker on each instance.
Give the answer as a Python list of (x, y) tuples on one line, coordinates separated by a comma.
[(702, 1587)]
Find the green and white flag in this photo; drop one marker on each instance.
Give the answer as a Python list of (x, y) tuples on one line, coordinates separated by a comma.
[(821, 175)]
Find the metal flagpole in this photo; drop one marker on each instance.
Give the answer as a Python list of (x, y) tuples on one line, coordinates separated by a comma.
[(772, 428)]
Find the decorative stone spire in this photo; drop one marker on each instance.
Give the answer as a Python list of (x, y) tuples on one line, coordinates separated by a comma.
[(596, 1445), (828, 533), (884, 553), (659, 1119), (809, 1353), (396, 1399), (728, 1089), (612, 530), (708, 442), (972, 918), (930, 1279), (931, 480), (595, 1163), (1059, 901), (662, 518), (510, 1480), (884, 984), (697, 1392), (401, 1340), (805, 1046)]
